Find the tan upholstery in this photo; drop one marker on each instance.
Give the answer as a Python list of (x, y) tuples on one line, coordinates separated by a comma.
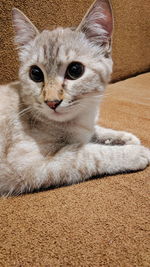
[(102, 222), (131, 52)]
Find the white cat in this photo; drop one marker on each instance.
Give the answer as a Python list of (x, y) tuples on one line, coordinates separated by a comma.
[(48, 134)]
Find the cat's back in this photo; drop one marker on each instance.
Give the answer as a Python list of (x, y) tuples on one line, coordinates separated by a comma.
[(9, 99)]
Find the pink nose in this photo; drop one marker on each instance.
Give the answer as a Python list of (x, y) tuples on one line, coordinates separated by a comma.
[(53, 104)]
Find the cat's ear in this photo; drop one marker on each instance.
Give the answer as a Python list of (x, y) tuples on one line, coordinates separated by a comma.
[(97, 24), (24, 29)]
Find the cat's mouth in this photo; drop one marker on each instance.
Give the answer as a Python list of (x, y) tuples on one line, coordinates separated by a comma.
[(68, 109), (57, 113)]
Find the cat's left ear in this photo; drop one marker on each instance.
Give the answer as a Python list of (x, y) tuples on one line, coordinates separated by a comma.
[(24, 29), (97, 24)]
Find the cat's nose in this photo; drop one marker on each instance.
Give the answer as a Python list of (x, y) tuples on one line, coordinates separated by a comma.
[(53, 104)]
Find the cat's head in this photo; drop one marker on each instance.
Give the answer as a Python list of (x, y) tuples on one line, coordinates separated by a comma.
[(64, 70)]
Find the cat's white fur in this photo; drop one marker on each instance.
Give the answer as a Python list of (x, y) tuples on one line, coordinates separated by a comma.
[(40, 147)]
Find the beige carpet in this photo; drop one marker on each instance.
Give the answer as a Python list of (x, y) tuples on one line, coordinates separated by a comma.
[(102, 222), (131, 34)]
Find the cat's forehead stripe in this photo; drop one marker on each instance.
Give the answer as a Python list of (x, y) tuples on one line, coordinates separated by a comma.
[(45, 50)]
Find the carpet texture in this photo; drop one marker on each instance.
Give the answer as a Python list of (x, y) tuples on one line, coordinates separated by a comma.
[(131, 35), (101, 222)]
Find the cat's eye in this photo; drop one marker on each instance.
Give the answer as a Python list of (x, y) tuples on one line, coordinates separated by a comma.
[(74, 71), (36, 74)]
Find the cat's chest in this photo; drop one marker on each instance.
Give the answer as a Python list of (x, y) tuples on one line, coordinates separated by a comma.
[(81, 132), (58, 134), (78, 132), (45, 140), (83, 127), (51, 139)]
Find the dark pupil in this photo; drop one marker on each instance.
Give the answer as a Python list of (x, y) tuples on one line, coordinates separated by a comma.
[(36, 74), (74, 71)]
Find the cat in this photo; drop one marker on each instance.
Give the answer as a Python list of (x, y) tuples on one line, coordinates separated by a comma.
[(48, 131)]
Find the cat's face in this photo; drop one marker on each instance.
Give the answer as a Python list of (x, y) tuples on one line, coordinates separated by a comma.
[(62, 71)]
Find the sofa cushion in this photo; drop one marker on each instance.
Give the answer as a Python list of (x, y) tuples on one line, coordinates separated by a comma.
[(101, 222)]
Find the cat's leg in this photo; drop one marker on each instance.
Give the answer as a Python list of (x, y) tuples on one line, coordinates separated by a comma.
[(76, 163), (112, 137), (72, 164)]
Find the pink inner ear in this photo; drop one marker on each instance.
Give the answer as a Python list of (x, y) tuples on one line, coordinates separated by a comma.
[(25, 30), (98, 23), (105, 15), (106, 22), (20, 26)]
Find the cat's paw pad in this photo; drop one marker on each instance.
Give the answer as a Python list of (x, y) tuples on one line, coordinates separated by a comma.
[(129, 139)]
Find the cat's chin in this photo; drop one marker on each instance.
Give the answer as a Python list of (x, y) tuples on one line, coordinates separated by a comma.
[(60, 116)]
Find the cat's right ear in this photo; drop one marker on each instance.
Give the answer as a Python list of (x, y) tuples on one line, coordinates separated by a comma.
[(24, 29)]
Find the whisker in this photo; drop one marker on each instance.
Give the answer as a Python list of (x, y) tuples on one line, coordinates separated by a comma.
[(35, 116), (20, 114)]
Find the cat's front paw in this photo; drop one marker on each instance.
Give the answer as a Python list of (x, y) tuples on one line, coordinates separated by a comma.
[(142, 157)]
